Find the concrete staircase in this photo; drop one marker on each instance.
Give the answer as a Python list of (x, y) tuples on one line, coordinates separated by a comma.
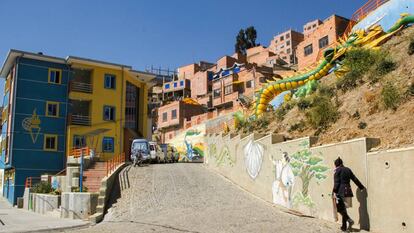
[(93, 176)]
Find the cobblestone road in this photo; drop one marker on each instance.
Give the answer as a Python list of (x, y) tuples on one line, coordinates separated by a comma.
[(191, 198)]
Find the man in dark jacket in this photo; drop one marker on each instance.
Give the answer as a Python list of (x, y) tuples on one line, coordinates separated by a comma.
[(343, 192)]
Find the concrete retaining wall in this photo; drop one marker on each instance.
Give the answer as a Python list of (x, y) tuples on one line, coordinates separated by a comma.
[(44, 203), (299, 176), (78, 205), (391, 192)]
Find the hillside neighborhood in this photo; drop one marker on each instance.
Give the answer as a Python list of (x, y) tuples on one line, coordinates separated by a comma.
[(269, 138)]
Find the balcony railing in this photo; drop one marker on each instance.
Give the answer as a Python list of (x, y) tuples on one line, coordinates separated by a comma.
[(81, 87), (79, 120)]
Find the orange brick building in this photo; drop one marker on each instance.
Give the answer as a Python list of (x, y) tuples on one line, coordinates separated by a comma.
[(285, 45), (318, 36)]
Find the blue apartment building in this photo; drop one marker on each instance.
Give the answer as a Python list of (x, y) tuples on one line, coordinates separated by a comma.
[(35, 104)]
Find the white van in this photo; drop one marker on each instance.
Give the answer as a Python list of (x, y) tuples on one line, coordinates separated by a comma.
[(142, 145), (156, 153)]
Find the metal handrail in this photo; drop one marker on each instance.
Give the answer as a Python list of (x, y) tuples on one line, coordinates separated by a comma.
[(77, 152), (113, 163), (362, 12)]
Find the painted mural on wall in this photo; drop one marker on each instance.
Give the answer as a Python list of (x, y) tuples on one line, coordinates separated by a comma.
[(32, 126), (223, 156), (190, 144), (284, 181), (307, 166), (253, 158), (296, 169)]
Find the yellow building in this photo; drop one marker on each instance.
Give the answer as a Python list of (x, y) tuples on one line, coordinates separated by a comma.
[(107, 106)]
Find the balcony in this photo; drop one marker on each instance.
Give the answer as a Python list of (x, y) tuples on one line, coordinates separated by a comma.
[(81, 81), (79, 113), (80, 87), (79, 120)]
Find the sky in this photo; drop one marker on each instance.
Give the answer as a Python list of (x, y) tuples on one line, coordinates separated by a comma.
[(167, 33)]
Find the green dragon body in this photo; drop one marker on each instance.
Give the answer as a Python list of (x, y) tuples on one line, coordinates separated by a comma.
[(331, 60)]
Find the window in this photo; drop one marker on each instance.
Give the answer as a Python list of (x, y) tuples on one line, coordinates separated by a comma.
[(249, 84), (288, 43), (108, 144), (52, 109), (309, 28), (323, 42), (288, 51), (79, 141), (308, 50), (164, 117), (110, 81), (55, 76), (216, 93), (282, 38), (175, 84), (314, 26), (182, 83), (174, 114), (167, 86), (228, 89), (109, 113), (50, 142), (287, 36)]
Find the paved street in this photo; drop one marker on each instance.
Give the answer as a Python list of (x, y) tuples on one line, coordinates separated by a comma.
[(18, 220), (191, 198)]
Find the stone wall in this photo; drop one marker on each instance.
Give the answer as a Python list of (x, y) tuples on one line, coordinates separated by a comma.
[(299, 176)]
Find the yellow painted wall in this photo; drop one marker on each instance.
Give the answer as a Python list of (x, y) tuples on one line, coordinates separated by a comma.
[(99, 98)]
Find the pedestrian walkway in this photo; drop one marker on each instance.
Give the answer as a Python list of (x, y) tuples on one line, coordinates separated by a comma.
[(18, 220)]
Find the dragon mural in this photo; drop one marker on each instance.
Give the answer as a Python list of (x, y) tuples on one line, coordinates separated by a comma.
[(331, 62)]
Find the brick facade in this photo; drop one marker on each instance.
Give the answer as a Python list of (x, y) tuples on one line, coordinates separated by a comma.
[(285, 45), (318, 38)]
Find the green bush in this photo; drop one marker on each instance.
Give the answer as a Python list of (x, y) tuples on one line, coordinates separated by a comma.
[(77, 189), (362, 125), (283, 109), (42, 187), (411, 47), (303, 103), (390, 96), (349, 81), (383, 66), (300, 126), (326, 91), (363, 62), (411, 89), (322, 112)]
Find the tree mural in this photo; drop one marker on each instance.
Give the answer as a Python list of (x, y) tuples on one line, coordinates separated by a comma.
[(307, 166)]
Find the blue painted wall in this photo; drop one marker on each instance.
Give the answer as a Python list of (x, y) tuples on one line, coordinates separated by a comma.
[(28, 156), (387, 14)]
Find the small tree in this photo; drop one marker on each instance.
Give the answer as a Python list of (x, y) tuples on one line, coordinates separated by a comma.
[(240, 46), (245, 39), (251, 36)]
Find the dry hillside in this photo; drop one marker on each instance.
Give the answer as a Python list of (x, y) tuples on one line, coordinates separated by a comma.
[(361, 112)]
